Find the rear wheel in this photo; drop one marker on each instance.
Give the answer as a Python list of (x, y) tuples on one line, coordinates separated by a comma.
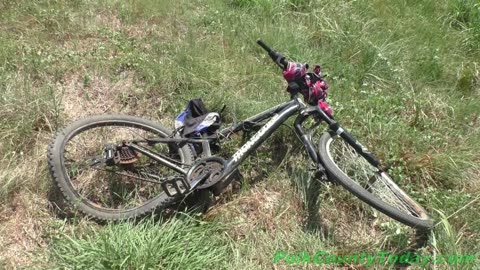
[(369, 183), (129, 188)]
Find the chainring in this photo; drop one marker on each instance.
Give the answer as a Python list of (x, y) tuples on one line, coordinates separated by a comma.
[(214, 166)]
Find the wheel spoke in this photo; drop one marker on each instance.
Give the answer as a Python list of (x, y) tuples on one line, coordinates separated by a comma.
[(357, 168), (128, 184)]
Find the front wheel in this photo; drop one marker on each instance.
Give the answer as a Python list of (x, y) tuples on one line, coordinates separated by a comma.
[(369, 183)]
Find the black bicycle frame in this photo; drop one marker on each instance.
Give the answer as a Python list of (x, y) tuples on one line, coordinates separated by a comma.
[(277, 115)]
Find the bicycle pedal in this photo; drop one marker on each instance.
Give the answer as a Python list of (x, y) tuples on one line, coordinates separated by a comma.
[(179, 185)]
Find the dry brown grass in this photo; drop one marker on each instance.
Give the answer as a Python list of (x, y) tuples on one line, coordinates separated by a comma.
[(101, 96), (473, 185), (258, 209), (23, 225), (23, 217)]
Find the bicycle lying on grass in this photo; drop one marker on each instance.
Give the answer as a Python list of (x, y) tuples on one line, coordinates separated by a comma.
[(116, 167)]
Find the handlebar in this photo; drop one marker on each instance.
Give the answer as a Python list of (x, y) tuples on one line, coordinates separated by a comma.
[(264, 46), (277, 57)]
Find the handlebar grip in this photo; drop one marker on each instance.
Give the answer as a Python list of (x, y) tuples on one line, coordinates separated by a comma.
[(276, 56), (264, 46)]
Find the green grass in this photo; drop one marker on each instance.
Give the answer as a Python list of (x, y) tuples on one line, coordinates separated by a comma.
[(174, 244), (404, 76)]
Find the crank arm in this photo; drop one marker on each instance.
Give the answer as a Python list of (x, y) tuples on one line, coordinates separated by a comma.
[(200, 180)]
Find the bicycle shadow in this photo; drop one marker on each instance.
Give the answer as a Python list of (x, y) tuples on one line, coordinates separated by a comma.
[(309, 185), (58, 206), (314, 221)]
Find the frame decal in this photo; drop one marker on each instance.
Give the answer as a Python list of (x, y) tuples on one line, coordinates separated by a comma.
[(244, 149)]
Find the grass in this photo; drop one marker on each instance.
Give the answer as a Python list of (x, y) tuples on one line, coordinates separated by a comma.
[(404, 76), (174, 244)]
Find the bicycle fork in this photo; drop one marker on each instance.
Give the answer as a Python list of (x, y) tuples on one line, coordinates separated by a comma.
[(306, 139)]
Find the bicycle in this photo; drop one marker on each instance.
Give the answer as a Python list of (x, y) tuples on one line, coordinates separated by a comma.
[(133, 166)]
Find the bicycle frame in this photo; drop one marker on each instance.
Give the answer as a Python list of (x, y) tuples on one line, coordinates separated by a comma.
[(277, 115)]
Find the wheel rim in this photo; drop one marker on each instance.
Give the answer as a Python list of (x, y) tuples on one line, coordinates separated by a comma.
[(116, 188), (371, 179)]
